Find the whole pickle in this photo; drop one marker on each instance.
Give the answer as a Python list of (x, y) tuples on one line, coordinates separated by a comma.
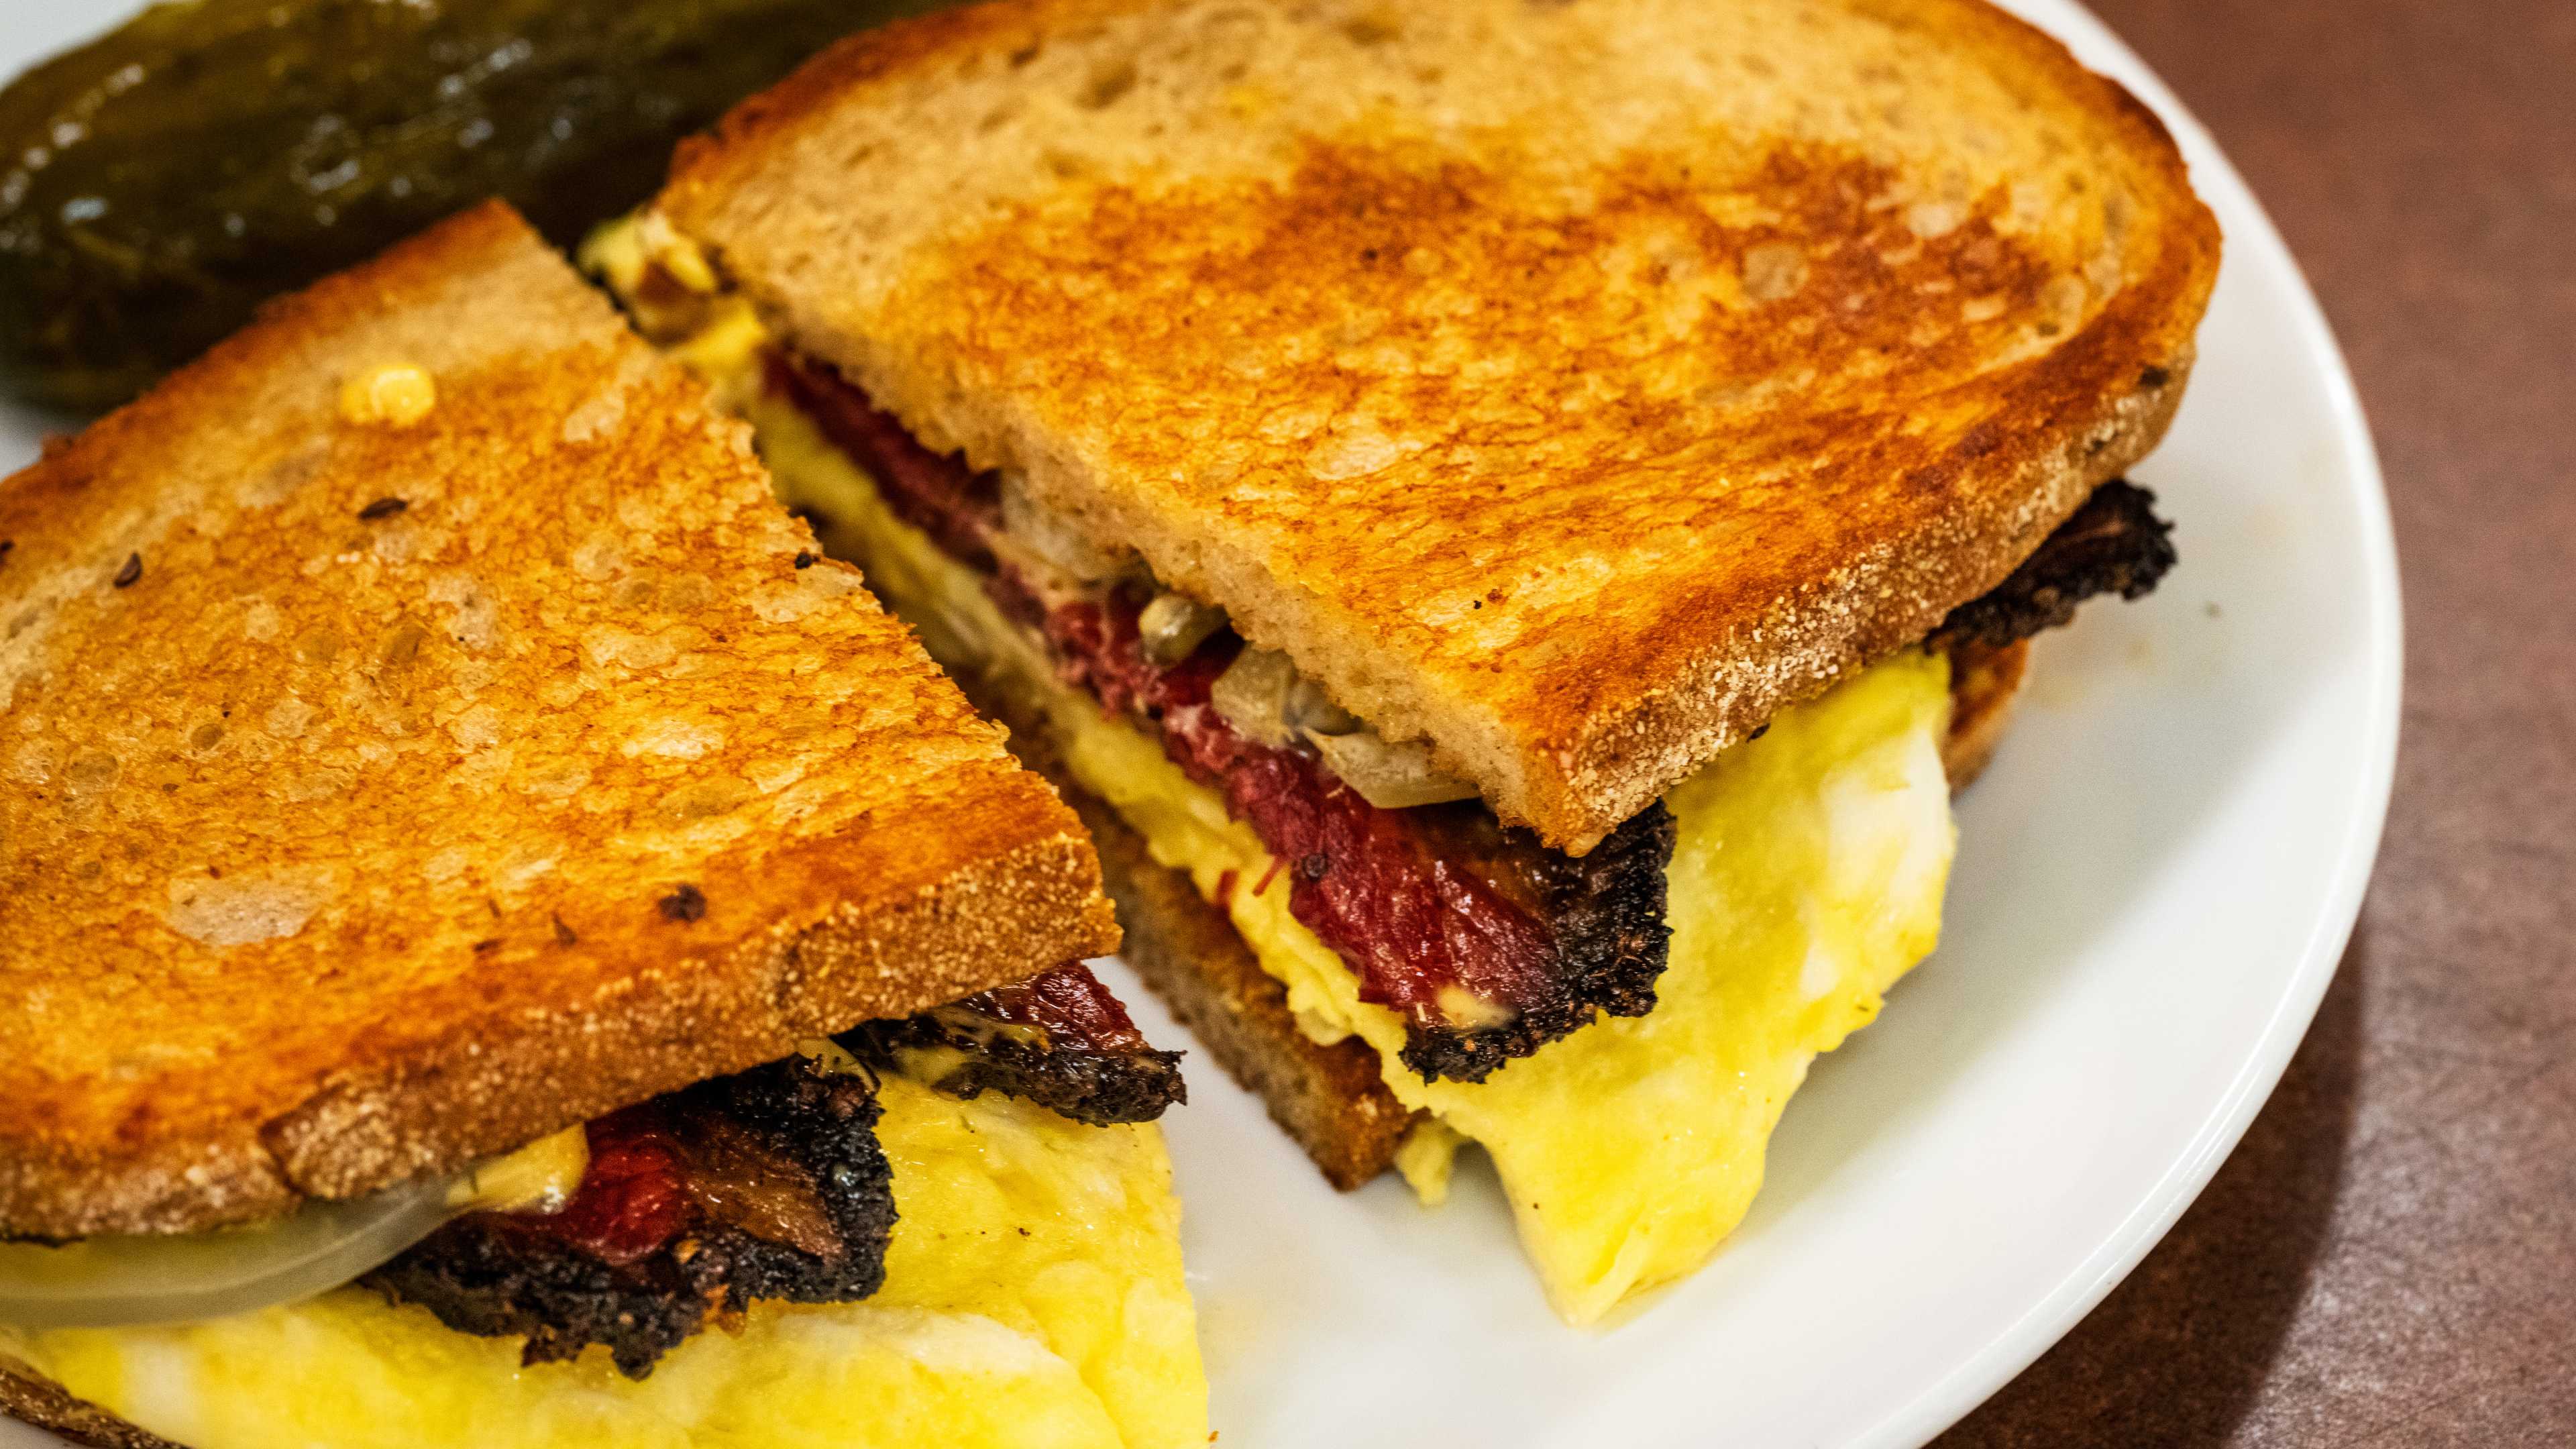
[(165, 179)]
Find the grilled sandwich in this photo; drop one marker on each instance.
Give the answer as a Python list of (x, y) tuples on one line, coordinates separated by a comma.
[(507, 945), (1510, 518)]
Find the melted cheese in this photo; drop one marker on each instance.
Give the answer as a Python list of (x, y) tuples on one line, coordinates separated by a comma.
[(1033, 1297), (1807, 877)]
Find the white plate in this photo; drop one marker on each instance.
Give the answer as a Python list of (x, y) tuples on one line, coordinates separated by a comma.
[(2155, 882)]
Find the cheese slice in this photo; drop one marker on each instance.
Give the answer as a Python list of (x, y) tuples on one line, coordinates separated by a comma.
[(1806, 878), (1032, 1300)]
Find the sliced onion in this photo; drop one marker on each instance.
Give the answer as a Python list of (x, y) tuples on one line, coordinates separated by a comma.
[(1173, 626), (1387, 775), (1252, 694), (1311, 710), (538, 1178), (118, 1280), (1263, 696)]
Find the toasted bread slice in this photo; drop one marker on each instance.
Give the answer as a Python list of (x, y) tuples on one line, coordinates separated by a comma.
[(383, 790), (1332, 1100), (1573, 385)]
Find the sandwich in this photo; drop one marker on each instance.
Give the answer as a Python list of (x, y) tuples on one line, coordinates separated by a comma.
[(507, 945), (1509, 519)]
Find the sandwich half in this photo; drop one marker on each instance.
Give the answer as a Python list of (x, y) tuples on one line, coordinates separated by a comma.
[(509, 946), (1511, 517)]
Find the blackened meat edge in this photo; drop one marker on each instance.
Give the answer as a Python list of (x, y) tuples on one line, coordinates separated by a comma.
[(766, 1184), (1607, 910), (2114, 543), (1059, 1039)]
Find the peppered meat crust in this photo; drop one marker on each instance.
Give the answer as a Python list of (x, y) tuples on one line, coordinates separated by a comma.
[(1095, 1088), (2115, 543), (489, 1275), (1059, 1039), (679, 1220), (1605, 914)]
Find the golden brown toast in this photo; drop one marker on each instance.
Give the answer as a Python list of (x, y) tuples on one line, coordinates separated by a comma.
[(1332, 1099), (374, 797), (1573, 385)]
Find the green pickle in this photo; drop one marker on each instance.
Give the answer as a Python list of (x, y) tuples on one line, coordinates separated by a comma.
[(165, 179)]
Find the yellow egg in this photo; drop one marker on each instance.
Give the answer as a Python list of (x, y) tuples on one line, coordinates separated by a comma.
[(1033, 1297)]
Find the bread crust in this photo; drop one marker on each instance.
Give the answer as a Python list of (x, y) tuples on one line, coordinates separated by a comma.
[(347, 841), (1985, 684), (1571, 386)]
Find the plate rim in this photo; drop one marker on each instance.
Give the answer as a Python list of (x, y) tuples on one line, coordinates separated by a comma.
[(1979, 1373)]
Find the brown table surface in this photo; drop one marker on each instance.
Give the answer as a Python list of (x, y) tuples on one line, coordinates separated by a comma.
[(2390, 1257)]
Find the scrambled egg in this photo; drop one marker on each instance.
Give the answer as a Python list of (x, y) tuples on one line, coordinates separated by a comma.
[(1033, 1297), (1806, 878)]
